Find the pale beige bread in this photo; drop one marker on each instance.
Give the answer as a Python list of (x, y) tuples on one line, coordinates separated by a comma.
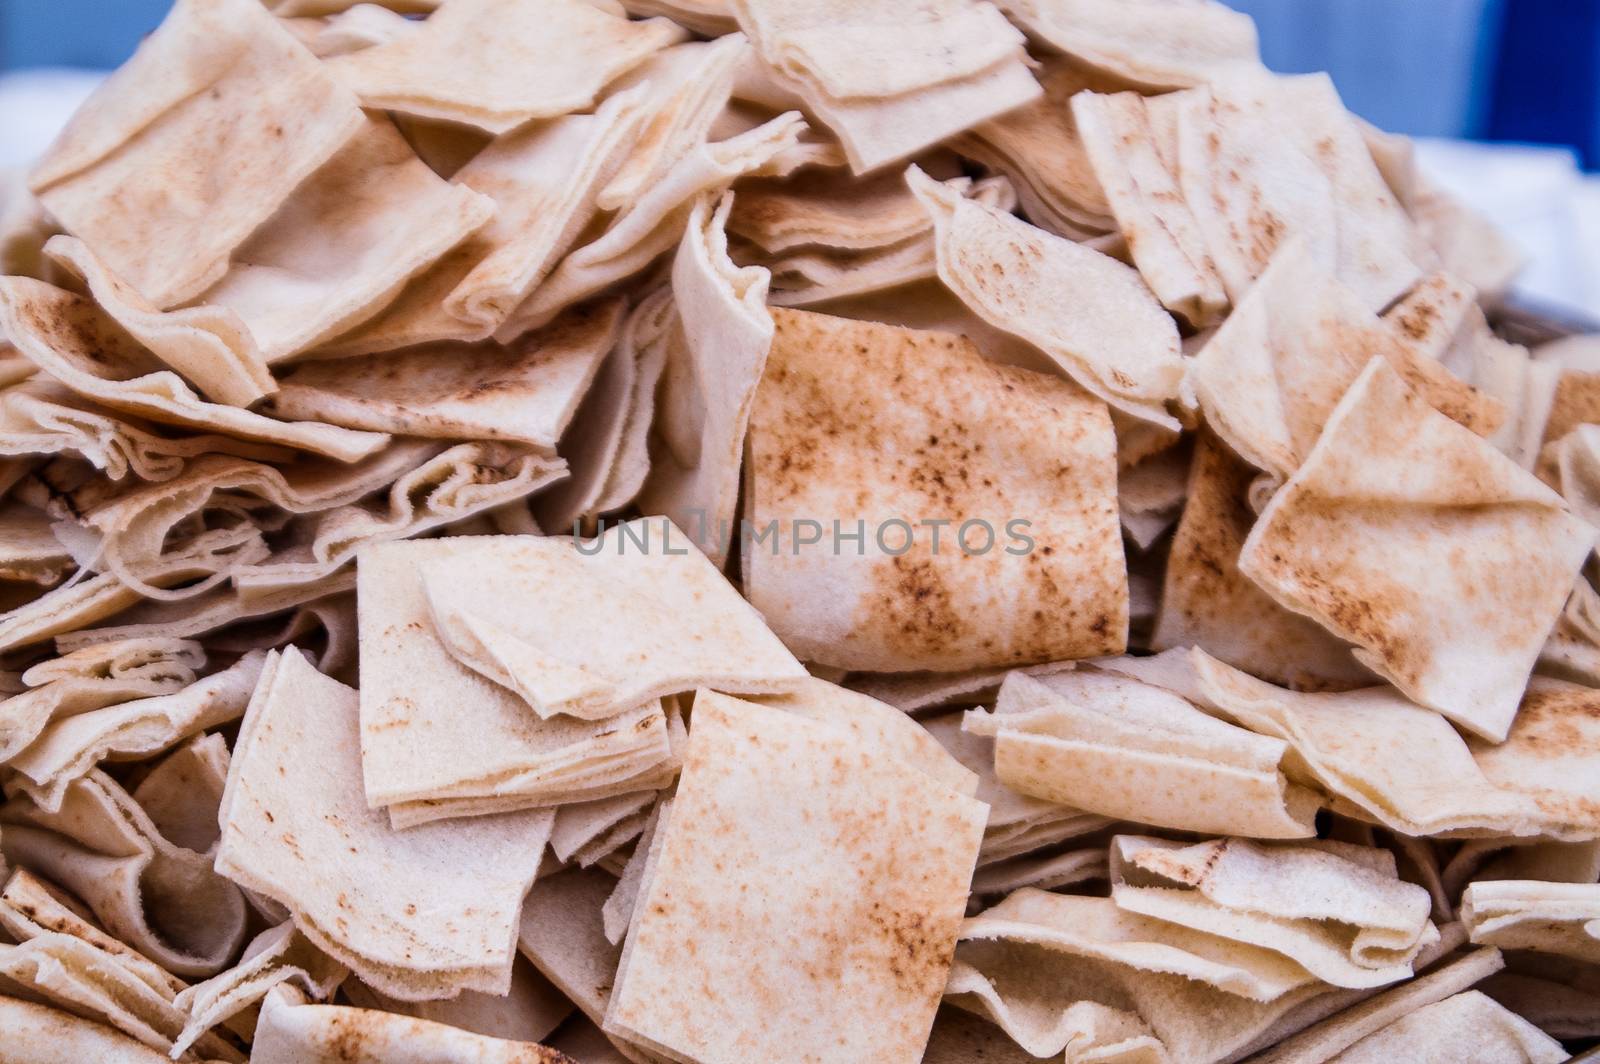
[(1263, 159), (409, 489), (1152, 44), (837, 394), (718, 339), (959, 1037), (78, 344), (1337, 909), (1093, 316), (1097, 741), (67, 748), (1016, 824), (829, 209), (524, 393), (1390, 488), (915, 692), (689, 85), (1040, 146), (616, 916), (581, 823), (544, 180), (606, 442), (438, 902), (63, 609), (885, 85), (30, 907), (498, 65), (878, 726), (747, 768), (93, 679), (1269, 378), (1331, 1036), (1136, 172), (1431, 316), (1070, 868), (277, 955), (345, 244), (41, 416), (654, 222), (689, 628), (1151, 494), (1559, 918), (528, 1013), (180, 792), (292, 1031), (1549, 755), (1207, 602), (708, 17), (1381, 757), (160, 898), (363, 26), (219, 87), (61, 959), (1087, 986), (39, 1034), (434, 729), (1469, 1025), (821, 274), (203, 613), (211, 347)]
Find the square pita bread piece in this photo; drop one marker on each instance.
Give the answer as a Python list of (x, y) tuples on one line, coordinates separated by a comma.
[(1413, 538), (858, 426), (804, 902)]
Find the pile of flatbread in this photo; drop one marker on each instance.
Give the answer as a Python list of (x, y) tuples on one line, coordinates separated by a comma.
[(729, 531)]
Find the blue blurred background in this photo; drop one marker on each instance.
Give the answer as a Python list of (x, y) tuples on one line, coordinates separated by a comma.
[(1508, 70)]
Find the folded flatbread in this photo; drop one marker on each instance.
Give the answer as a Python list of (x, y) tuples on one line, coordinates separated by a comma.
[(219, 88), (433, 729), (544, 180), (1017, 824), (162, 899), (1263, 159), (1130, 143), (1153, 44), (277, 955), (1336, 909), (523, 393), (41, 416), (1560, 918), (855, 970), (92, 679), (1093, 316), (69, 747), (1207, 602), (497, 64), (1041, 148), (1394, 487), (689, 627), (1095, 740), (1269, 378), (885, 84), (291, 1031), (1469, 1025), (438, 904), (1550, 755), (839, 394), (211, 347), (1380, 756), (78, 344), (345, 244)]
